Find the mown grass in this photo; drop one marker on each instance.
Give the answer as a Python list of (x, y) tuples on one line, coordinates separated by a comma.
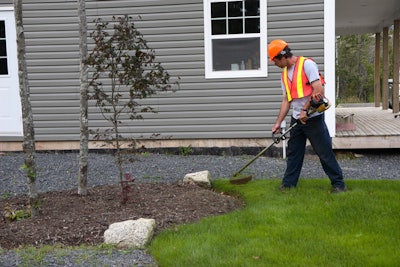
[(307, 226)]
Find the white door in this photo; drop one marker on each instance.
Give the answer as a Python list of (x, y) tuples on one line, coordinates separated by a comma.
[(10, 103)]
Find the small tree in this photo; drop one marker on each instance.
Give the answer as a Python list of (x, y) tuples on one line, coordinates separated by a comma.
[(84, 128), (27, 118), (123, 72)]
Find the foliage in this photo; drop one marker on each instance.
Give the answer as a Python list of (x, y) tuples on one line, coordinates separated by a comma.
[(124, 71), (307, 226), (185, 151), (15, 215), (30, 173), (355, 68), (6, 195)]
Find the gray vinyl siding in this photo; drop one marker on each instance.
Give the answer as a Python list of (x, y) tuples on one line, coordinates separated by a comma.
[(201, 108), (301, 24)]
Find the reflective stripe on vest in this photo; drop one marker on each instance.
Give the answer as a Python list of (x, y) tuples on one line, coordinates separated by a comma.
[(299, 86)]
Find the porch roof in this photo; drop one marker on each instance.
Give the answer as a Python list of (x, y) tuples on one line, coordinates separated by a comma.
[(365, 16)]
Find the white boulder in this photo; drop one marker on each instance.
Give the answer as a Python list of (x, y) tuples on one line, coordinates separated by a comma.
[(130, 233), (202, 179)]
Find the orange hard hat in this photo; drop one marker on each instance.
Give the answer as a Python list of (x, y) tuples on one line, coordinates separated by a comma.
[(275, 47)]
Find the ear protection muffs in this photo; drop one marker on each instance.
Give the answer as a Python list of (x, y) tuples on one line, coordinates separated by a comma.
[(285, 52)]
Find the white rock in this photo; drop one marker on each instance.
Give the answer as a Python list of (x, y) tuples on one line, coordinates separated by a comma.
[(202, 179), (130, 233)]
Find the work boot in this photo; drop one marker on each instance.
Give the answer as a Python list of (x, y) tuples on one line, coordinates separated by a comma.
[(284, 188), (338, 190)]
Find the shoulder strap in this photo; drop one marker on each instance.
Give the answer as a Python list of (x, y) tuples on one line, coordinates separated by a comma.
[(321, 78)]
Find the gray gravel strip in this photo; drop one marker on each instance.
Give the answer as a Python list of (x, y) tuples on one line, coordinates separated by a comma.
[(58, 171), (80, 257)]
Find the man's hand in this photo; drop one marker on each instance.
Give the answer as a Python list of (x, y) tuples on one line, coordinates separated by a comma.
[(303, 117), (276, 128)]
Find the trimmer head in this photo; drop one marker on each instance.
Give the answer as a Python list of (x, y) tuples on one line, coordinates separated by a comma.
[(240, 179)]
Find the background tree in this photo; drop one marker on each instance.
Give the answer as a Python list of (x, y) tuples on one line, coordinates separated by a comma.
[(84, 129), (355, 68), (355, 59), (27, 119), (124, 71), (390, 50)]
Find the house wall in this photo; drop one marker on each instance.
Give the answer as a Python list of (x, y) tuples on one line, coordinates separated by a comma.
[(201, 108)]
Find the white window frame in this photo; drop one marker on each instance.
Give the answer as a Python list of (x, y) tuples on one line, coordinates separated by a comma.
[(209, 72), (10, 101)]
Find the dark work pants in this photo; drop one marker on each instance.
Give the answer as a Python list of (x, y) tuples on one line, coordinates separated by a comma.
[(316, 131)]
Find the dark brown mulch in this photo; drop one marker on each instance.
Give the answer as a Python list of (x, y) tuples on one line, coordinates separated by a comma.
[(69, 219)]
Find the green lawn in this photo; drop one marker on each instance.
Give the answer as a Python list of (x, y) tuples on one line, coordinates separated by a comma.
[(307, 226)]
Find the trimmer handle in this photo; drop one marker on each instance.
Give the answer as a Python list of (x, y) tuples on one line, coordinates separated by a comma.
[(282, 135), (278, 137)]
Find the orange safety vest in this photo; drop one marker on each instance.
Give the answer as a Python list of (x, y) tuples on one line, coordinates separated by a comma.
[(299, 86)]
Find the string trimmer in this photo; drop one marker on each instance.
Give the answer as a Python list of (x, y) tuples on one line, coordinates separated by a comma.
[(320, 106)]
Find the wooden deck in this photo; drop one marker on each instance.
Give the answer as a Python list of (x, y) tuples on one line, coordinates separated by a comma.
[(366, 127)]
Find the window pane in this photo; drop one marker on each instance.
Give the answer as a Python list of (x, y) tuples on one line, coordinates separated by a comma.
[(218, 27), (252, 8), (235, 9), (2, 29), (236, 54), (3, 66), (218, 10), (233, 36), (235, 26), (252, 25), (3, 51)]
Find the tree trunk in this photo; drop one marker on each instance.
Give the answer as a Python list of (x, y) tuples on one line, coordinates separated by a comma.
[(84, 131), (27, 119)]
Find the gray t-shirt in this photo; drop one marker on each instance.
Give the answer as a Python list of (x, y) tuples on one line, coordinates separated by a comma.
[(312, 73)]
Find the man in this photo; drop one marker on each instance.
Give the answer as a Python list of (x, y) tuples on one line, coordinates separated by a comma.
[(301, 83)]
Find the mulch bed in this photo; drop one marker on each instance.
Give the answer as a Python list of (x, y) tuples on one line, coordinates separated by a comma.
[(69, 219)]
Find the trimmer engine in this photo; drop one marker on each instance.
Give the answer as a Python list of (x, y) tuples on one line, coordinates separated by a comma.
[(319, 106)]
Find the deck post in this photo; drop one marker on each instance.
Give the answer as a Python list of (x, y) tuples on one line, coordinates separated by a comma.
[(377, 75), (385, 73), (396, 65)]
